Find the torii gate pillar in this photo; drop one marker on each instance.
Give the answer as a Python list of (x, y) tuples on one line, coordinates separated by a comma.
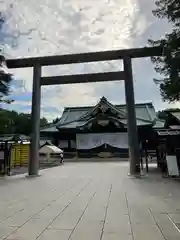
[(134, 151), (35, 121)]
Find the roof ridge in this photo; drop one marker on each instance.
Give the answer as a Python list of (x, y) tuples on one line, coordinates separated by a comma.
[(115, 105), (149, 113), (105, 101), (75, 120)]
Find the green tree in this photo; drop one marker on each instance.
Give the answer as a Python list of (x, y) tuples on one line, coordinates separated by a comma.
[(5, 77), (12, 122), (56, 120), (168, 65), (7, 124)]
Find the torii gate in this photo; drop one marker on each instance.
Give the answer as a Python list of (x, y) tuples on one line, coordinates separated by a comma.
[(126, 55)]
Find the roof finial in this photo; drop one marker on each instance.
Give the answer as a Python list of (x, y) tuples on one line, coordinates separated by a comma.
[(103, 99)]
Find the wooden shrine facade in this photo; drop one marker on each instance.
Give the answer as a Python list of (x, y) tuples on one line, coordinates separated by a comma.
[(102, 128)]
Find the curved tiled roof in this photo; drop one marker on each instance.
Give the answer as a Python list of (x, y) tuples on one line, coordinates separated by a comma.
[(73, 117), (145, 113)]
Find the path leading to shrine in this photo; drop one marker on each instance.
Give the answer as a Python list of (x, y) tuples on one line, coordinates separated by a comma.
[(85, 201)]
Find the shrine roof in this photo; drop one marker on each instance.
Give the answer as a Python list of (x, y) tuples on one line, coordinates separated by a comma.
[(74, 117), (145, 113), (176, 114), (49, 129), (159, 123)]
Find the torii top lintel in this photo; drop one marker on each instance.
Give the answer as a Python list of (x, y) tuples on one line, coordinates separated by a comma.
[(85, 57)]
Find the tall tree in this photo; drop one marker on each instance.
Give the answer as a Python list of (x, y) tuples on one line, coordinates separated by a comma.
[(12, 122), (5, 76), (56, 120), (168, 65)]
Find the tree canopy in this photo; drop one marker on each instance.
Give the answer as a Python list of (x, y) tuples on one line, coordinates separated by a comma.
[(5, 77), (56, 120), (168, 65), (12, 122)]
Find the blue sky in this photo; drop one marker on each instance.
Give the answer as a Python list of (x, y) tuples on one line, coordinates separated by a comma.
[(73, 26)]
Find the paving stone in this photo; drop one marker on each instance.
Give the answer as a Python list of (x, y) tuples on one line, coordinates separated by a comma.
[(18, 219), (141, 216), (69, 218), (5, 231), (54, 234), (8, 212), (29, 231), (175, 217), (61, 204), (117, 219), (117, 224), (116, 236), (54, 209), (92, 222), (86, 234), (148, 232), (169, 231)]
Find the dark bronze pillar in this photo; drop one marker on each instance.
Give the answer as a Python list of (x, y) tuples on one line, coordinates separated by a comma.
[(134, 151), (35, 121)]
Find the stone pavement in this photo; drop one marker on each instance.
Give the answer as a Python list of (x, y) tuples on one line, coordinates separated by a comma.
[(89, 201)]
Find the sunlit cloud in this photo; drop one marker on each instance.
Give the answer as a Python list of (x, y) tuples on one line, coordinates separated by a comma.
[(73, 26)]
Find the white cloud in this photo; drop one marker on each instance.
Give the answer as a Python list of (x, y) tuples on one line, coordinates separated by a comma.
[(46, 27)]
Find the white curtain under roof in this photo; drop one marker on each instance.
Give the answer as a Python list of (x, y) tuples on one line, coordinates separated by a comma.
[(93, 140)]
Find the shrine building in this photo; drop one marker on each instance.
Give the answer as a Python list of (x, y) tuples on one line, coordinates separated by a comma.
[(100, 130)]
